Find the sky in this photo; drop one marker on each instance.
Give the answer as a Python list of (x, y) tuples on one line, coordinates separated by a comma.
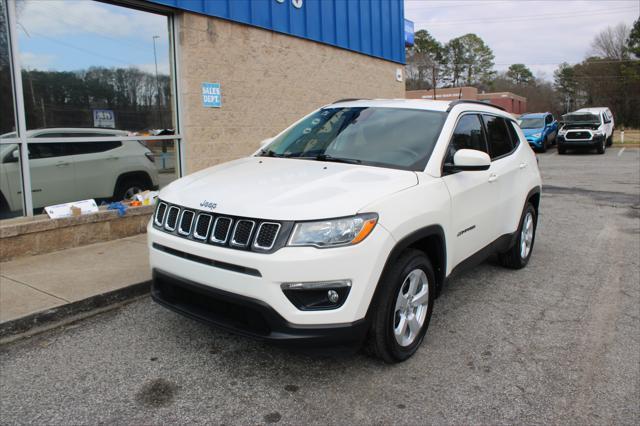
[(70, 35), (540, 34)]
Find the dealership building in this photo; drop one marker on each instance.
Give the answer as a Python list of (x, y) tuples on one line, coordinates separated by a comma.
[(91, 90), (510, 102)]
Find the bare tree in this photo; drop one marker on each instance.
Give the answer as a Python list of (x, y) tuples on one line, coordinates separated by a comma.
[(612, 42)]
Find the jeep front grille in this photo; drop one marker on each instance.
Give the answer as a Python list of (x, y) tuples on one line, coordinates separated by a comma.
[(172, 218), (160, 212), (186, 220), (203, 223), (266, 235), (242, 233), (221, 230)]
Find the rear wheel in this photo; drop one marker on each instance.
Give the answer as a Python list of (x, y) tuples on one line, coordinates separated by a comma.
[(129, 187), (402, 307), (518, 255), (545, 145)]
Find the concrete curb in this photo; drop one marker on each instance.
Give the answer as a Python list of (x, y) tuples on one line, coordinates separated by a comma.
[(51, 318)]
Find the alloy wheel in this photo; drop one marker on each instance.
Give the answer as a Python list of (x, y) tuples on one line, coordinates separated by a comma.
[(526, 236), (412, 303)]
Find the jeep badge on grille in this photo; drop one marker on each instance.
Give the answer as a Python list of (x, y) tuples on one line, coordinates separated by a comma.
[(208, 205)]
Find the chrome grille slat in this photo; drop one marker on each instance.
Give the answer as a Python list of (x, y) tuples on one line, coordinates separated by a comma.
[(266, 235), (242, 232), (221, 230), (172, 219), (186, 218), (203, 220), (161, 210)]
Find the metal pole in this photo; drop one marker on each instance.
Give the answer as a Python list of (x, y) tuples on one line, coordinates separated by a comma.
[(19, 102), (155, 60)]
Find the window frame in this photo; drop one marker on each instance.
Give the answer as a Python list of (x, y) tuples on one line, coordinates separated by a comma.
[(455, 126), (21, 138), (514, 147)]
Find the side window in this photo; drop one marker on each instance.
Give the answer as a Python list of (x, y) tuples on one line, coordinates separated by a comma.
[(515, 139), (94, 147), (467, 135), (497, 136), (49, 150), (548, 119)]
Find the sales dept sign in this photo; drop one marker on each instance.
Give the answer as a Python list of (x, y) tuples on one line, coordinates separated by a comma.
[(211, 96)]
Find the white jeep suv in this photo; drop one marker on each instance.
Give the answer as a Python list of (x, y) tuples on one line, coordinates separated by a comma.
[(345, 226), (70, 171)]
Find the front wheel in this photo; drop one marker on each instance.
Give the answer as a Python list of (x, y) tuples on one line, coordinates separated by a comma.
[(518, 255), (562, 150), (403, 307), (601, 147)]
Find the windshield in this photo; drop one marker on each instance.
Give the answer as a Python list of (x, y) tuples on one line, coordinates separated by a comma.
[(384, 137), (581, 118), (531, 123)]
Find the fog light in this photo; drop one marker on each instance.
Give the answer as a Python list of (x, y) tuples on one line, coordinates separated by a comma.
[(317, 295)]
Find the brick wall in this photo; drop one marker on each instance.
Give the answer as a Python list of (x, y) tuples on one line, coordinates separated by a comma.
[(268, 80)]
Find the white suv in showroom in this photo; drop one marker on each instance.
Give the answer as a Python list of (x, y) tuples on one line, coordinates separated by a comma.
[(71, 171), (344, 227)]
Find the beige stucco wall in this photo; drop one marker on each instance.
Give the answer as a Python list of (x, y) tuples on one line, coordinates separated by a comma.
[(268, 80)]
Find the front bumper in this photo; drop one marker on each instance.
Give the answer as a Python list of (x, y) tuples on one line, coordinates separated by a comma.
[(247, 316), (259, 276), (535, 143), (591, 143)]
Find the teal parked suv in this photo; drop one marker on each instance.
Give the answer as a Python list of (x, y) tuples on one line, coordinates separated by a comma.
[(540, 129)]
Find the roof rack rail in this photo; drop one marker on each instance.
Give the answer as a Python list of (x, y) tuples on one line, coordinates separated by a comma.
[(469, 101), (349, 99)]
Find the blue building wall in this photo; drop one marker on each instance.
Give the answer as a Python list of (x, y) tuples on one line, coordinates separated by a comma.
[(372, 27)]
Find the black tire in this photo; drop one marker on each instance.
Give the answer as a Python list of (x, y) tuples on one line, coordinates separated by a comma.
[(610, 140), (601, 147), (128, 186), (562, 150), (382, 341), (545, 145), (513, 258)]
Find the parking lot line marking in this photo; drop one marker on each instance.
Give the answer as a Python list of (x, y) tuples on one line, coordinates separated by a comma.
[(621, 151)]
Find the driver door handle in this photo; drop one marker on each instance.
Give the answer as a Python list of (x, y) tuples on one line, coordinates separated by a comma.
[(523, 165), (62, 164), (493, 177)]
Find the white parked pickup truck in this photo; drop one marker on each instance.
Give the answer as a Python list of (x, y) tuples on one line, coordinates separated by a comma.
[(344, 227)]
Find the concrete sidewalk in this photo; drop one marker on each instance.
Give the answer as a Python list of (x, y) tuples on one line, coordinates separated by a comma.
[(47, 287)]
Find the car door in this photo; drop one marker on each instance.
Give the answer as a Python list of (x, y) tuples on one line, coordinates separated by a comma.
[(551, 127), (52, 173), (507, 173), (473, 195), (97, 168)]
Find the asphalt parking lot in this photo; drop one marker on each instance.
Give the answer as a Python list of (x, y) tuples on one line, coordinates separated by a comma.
[(557, 342)]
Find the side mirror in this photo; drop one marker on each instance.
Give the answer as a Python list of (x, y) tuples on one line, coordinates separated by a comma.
[(468, 160)]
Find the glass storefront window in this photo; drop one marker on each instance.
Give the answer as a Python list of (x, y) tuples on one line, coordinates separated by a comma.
[(7, 115), (90, 64), (10, 180), (105, 171)]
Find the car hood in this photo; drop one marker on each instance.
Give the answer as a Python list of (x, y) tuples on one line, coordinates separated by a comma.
[(530, 132), (286, 189)]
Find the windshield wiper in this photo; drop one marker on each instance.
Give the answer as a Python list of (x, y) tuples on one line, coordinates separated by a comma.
[(325, 157), (269, 153)]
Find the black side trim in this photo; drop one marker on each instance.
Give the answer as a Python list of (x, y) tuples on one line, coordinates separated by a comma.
[(209, 262), (349, 100), (247, 316), (501, 244)]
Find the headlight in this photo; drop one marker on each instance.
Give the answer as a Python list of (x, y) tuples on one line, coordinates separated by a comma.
[(599, 133), (333, 232), (536, 135), (562, 132)]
